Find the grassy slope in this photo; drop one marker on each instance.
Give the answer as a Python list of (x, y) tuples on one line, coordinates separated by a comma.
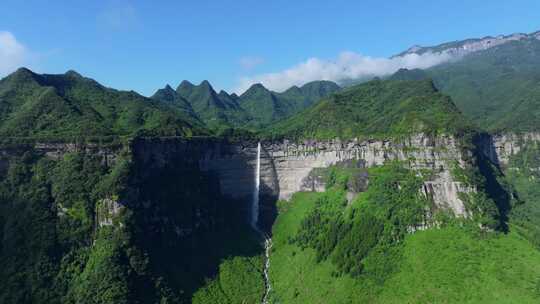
[(451, 266), (295, 275), (448, 265), (239, 281)]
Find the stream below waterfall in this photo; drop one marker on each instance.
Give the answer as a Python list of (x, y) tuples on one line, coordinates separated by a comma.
[(267, 285)]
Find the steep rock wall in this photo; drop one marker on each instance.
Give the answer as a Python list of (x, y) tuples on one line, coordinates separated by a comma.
[(107, 153), (289, 164), (286, 165), (499, 148)]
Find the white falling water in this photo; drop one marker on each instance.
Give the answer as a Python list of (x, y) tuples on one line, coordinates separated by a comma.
[(254, 222), (255, 204), (267, 285)]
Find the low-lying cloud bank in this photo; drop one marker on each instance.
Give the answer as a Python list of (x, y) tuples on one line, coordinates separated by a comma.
[(347, 66), (12, 53)]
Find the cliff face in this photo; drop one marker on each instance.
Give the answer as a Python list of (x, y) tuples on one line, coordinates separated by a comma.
[(501, 147), (290, 164), (286, 165), (108, 154)]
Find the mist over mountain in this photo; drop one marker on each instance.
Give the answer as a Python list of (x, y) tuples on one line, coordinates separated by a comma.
[(495, 81)]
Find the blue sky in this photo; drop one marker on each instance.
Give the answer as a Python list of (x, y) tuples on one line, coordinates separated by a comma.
[(143, 45)]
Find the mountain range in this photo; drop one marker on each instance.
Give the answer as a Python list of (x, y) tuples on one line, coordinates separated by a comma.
[(495, 81), (392, 190), (70, 105), (255, 108)]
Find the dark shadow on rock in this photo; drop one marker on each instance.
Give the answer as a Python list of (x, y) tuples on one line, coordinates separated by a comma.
[(184, 223), (268, 197), (489, 166)]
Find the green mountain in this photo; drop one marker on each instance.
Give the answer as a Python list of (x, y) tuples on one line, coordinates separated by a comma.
[(69, 105), (267, 107), (216, 110), (376, 108), (256, 107), (263, 105), (310, 92), (169, 96), (498, 87)]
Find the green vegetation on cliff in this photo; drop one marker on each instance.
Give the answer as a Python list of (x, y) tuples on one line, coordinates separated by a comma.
[(316, 234), (523, 174), (389, 108)]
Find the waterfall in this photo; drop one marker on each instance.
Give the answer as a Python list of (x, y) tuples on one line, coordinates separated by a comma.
[(255, 204), (254, 224)]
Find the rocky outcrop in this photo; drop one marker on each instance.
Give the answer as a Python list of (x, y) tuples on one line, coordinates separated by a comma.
[(107, 211)]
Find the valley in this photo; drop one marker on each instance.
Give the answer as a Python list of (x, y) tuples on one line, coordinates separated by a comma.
[(419, 187)]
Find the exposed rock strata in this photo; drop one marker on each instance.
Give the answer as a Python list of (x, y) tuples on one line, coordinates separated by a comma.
[(108, 154), (286, 166), (291, 164), (501, 147)]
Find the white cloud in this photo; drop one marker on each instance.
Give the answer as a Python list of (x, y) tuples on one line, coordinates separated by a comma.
[(348, 65), (250, 62), (12, 53)]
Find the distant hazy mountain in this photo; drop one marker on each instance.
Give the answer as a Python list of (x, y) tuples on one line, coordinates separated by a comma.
[(72, 105), (496, 81), (256, 107), (468, 46)]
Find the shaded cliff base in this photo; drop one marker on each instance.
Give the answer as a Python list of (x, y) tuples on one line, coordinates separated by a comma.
[(74, 225)]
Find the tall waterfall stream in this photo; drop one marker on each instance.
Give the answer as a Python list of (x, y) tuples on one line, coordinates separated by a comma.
[(254, 224)]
